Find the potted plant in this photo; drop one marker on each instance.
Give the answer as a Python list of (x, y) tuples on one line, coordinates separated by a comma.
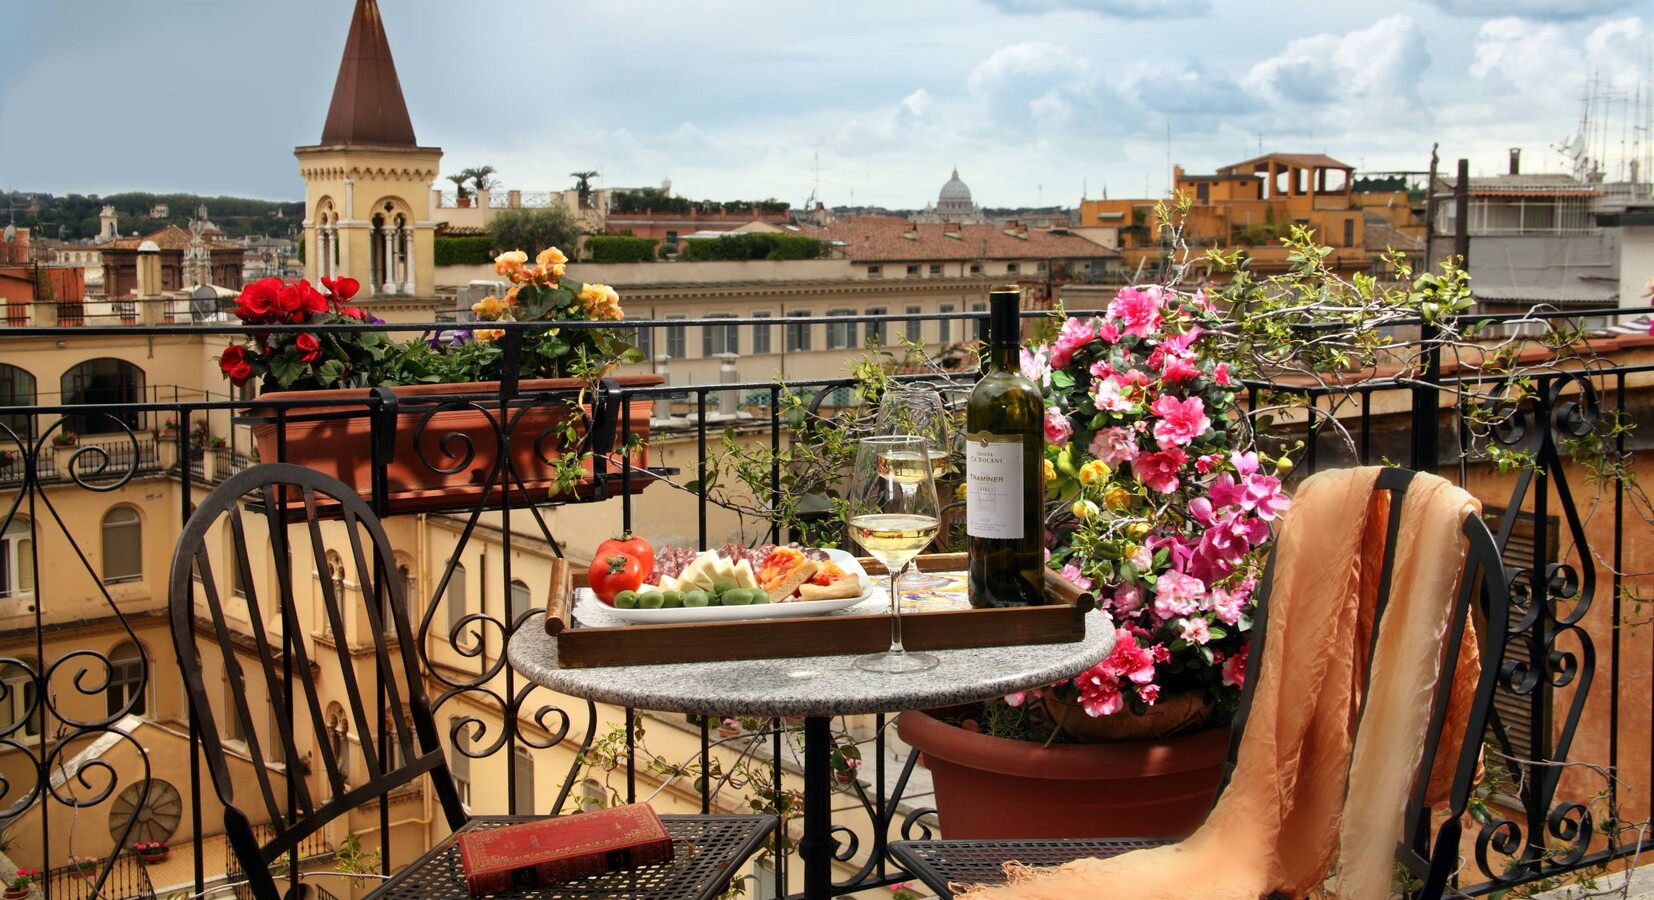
[(152, 851), (480, 180), (21, 884), (461, 192), (83, 864), (65, 438), (446, 434), (171, 427)]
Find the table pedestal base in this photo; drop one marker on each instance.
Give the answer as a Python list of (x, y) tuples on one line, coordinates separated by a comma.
[(816, 848)]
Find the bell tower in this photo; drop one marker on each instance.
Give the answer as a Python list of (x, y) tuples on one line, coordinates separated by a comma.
[(367, 183)]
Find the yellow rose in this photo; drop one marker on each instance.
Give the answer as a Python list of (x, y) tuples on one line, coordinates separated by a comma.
[(510, 261), (489, 307), (551, 258), (1138, 529), (1129, 551), (1094, 472), (1117, 498), (1050, 471), (1083, 509)]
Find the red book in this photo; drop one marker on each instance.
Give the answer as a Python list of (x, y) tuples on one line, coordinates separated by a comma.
[(565, 848)]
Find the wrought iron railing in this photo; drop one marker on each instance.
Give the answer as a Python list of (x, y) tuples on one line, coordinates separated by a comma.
[(1566, 809)]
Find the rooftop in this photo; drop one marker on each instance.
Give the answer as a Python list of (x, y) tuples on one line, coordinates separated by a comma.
[(873, 240)]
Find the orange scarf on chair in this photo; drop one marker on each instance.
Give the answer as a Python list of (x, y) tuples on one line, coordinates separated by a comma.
[(1308, 786)]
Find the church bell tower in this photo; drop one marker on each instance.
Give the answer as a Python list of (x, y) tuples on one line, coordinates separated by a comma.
[(367, 183)]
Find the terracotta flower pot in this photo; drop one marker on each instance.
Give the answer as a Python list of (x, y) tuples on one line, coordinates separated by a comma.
[(151, 857), (16, 893), (993, 788), (443, 459)]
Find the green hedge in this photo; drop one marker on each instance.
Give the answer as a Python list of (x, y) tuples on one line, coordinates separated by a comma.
[(751, 246), (620, 248), (464, 251)]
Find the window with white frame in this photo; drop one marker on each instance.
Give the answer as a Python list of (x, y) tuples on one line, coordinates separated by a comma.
[(128, 673), (976, 268), (17, 707), (761, 333), (16, 560), (644, 340), (522, 762), (123, 545), (717, 339), (913, 271), (798, 333), (676, 339), (841, 333)]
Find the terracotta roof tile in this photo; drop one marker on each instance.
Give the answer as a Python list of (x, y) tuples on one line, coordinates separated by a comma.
[(1306, 160), (876, 240), (171, 237)]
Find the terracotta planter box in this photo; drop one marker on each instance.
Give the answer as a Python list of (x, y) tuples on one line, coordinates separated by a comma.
[(446, 456), (993, 788)]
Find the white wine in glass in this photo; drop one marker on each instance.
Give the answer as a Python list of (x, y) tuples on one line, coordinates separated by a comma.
[(916, 410), (892, 514)]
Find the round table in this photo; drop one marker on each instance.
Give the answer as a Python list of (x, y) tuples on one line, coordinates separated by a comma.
[(817, 688)]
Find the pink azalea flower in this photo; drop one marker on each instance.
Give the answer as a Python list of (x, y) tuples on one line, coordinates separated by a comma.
[(1149, 693), (1110, 332), (1076, 333), (1017, 698), (1180, 421), (1177, 594), (1160, 470), (1138, 311), (1195, 630), (1179, 369), (1058, 428), (1227, 605), (1073, 574), (1220, 375), (1127, 599), (1036, 366), (1205, 464), (1234, 668), (1114, 446), (1108, 397)]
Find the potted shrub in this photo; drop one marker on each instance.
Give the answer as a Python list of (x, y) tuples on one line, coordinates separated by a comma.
[(152, 851), (461, 192), (65, 438), (445, 436), (171, 427), (83, 864), (21, 884)]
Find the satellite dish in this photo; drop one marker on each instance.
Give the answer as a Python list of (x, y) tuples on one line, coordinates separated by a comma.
[(10, 234), (203, 303)]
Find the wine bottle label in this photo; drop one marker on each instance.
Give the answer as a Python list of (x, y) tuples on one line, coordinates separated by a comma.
[(993, 485)]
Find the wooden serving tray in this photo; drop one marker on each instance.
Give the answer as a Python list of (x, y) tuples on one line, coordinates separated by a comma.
[(1059, 622)]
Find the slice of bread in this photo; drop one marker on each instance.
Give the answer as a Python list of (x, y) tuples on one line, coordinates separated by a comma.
[(782, 587), (841, 588)]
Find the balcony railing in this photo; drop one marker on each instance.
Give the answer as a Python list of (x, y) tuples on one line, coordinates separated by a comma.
[(84, 658)]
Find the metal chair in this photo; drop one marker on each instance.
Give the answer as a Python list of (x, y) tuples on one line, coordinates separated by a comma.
[(376, 692), (1431, 859)]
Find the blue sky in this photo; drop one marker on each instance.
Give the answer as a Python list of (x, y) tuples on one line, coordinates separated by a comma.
[(1032, 99)]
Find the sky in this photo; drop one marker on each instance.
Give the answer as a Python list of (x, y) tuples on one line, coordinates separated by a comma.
[(860, 102)]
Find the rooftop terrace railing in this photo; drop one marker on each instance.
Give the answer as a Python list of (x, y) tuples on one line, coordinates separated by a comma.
[(1568, 747)]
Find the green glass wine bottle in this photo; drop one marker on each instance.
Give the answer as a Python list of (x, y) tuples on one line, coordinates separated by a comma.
[(1005, 469)]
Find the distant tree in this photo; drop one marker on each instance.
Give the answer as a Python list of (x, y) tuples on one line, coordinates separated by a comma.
[(533, 230), (480, 180), (583, 185)]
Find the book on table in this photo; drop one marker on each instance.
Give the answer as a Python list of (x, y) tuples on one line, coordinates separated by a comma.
[(563, 848)]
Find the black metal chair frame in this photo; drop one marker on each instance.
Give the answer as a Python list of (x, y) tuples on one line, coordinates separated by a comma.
[(290, 494), (940, 863)]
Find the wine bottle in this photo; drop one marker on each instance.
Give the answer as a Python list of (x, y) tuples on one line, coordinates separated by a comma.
[(1005, 469)]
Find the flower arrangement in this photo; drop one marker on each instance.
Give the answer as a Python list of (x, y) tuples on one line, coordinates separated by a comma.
[(1151, 504), (152, 850), (172, 424), (303, 360), (20, 884), (83, 863), (65, 438)]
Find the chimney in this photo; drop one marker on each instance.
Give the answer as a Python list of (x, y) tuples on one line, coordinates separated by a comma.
[(1516, 160), (663, 403), (149, 270), (727, 401)]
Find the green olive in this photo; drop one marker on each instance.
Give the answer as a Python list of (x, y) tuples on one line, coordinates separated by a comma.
[(759, 595), (723, 586), (626, 600), (651, 600), (674, 599), (736, 597), (696, 599)]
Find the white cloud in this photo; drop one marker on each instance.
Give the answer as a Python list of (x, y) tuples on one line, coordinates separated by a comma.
[(1368, 73), (1192, 91), (1039, 86), (1120, 9)]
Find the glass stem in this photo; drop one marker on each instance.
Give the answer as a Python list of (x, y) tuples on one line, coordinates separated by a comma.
[(895, 615)]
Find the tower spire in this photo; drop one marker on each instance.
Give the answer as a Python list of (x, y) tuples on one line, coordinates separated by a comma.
[(367, 105)]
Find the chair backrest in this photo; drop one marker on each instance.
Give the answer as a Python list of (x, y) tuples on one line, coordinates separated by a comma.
[(1431, 858), (272, 703)]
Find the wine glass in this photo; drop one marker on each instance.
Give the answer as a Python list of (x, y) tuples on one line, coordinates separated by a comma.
[(892, 513), (917, 411)]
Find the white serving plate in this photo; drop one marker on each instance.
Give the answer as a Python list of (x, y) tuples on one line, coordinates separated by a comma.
[(588, 608)]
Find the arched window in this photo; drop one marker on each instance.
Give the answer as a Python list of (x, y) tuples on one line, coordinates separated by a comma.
[(519, 601), (123, 536), (338, 738), (455, 597), (17, 388), (109, 384), (128, 673), (16, 560)]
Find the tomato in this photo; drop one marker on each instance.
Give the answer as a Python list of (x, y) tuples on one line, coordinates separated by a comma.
[(633, 546), (612, 573)]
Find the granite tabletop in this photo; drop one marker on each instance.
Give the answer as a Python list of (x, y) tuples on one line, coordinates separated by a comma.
[(811, 685)]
